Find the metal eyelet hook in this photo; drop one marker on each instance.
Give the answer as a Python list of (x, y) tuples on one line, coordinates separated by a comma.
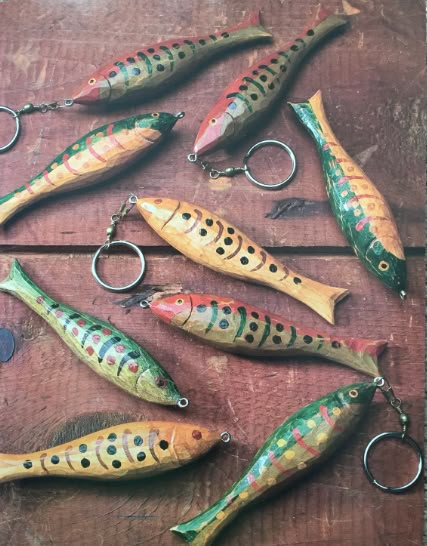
[(29, 108), (232, 171), (396, 403)]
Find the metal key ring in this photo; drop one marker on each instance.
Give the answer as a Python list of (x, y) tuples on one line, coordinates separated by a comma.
[(106, 247), (17, 131), (406, 439), (261, 144)]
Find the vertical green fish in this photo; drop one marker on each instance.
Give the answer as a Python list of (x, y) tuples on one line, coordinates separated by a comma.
[(304, 440), (105, 349)]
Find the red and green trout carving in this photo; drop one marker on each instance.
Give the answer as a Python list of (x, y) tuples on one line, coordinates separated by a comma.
[(360, 209), (241, 328), (129, 450), (303, 441), (105, 349), (247, 99), (142, 72), (93, 158), (209, 240)]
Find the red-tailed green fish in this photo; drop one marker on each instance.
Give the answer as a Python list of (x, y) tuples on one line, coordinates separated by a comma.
[(150, 69), (303, 441), (247, 99), (360, 209), (209, 240), (129, 450), (105, 349), (93, 158), (238, 327)]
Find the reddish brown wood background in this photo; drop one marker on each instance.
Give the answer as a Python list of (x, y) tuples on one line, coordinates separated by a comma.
[(372, 79)]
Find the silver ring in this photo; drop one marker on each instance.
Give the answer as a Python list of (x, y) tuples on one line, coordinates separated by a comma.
[(261, 144), (106, 247), (407, 440), (15, 115)]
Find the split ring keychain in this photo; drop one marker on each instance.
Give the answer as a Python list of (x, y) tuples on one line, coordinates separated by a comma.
[(232, 171), (29, 108), (396, 403), (109, 242)]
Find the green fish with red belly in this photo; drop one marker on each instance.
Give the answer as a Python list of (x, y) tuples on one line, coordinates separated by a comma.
[(105, 349), (142, 72), (303, 441), (238, 327)]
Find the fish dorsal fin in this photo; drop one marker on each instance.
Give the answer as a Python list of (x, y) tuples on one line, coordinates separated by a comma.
[(87, 423)]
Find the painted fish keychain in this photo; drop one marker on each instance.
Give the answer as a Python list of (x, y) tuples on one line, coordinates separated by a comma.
[(360, 209), (245, 102), (241, 328), (209, 240), (303, 441), (149, 70), (93, 158), (105, 349), (126, 451)]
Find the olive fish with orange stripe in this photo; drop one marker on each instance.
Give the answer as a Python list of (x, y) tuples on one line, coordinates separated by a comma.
[(93, 158)]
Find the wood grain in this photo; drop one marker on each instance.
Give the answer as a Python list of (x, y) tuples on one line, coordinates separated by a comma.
[(371, 77), (44, 384)]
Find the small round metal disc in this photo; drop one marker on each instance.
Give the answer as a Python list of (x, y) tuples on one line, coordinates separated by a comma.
[(17, 128), (7, 345)]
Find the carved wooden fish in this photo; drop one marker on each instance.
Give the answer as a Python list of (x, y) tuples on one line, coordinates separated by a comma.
[(360, 209), (304, 440), (241, 328), (94, 157), (105, 349), (129, 450), (209, 240), (142, 72), (246, 100)]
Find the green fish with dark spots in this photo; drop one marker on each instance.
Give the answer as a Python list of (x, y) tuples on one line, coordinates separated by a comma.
[(105, 349)]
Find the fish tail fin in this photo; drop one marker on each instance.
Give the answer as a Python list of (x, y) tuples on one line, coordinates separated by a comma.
[(312, 115), (331, 296), (253, 23), (11, 283), (202, 529), (366, 353), (7, 206), (12, 467)]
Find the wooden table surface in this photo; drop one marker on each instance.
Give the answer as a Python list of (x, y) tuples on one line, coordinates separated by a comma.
[(372, 81)]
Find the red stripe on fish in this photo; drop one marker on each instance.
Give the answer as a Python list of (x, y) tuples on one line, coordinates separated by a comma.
[(324, 413), (276, 463), (112, 138), (93, 152), (65, 159), (298, 438), (46, 177)]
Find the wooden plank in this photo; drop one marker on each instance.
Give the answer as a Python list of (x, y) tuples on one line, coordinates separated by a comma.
[(371, 76), (44, 384)]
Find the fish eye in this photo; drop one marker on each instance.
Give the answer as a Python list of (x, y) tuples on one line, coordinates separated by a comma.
[(92, 81), (196, 434), (160, 382), (213, 121), (384, 266), (354, 393), (179, 301), (155, 115)]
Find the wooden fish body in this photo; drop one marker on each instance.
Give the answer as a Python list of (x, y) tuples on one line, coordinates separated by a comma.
[(105, 349), (360, 209), (304, 440), (241, 328), (209, 240), (143, 72), (94, 157), (129, 450), (247, 99)]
